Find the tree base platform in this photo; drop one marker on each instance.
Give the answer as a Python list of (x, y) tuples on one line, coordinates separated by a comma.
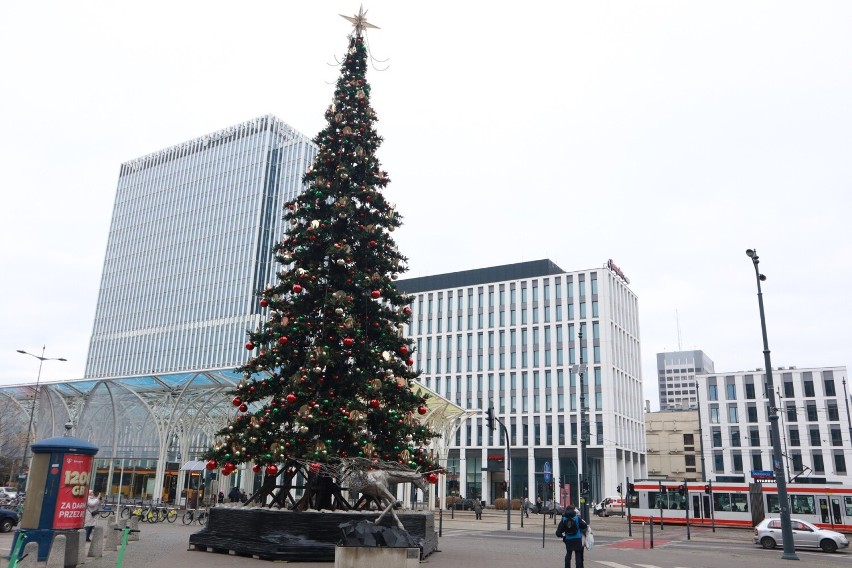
[(309, 536)]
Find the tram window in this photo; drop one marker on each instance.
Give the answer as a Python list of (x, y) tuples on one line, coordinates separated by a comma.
[(847, 501), (803, 504), (772, 504), (739, 502), (633, 499), (721, 502), (678, 502)]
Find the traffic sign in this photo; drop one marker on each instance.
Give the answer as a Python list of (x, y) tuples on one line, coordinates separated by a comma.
[(547, 472)]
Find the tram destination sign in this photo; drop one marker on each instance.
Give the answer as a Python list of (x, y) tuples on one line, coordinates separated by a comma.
[(763, 476)]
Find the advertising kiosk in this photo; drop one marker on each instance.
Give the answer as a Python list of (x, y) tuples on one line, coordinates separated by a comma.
[(57, 492)]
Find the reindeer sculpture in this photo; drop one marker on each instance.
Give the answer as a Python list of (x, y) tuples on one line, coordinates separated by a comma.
[(371, 479)]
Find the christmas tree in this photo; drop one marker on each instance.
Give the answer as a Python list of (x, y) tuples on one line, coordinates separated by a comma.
[(329, 373)]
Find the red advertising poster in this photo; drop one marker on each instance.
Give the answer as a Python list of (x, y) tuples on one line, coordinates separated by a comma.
[(70, 512), (565, 495)]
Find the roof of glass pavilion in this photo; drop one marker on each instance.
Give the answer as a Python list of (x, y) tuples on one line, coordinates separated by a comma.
[(170, 416)]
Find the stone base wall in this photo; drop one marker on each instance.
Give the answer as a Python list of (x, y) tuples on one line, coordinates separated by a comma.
[(272, 534)]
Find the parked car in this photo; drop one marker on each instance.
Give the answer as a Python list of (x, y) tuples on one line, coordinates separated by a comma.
[(805, 535), (8, 493), (8, 520), (462, 505)]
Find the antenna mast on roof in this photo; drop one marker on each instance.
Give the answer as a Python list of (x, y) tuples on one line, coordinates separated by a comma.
[(677, 317)]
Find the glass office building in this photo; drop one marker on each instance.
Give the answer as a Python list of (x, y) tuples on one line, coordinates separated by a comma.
[(190, 245), (508, 337)]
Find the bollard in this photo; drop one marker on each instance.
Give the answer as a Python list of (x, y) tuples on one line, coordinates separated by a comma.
[(643, 535), (440, 521), (56, 556), (96, 547), (134, 528), (30, 559), (651, 528)]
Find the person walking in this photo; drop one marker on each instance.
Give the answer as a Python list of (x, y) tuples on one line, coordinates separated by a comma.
[(477, 508), (93, 506), (234, 494), (538, 505), (527, 506), (571, 530)]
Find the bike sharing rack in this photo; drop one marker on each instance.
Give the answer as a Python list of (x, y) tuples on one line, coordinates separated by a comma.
[(56, 500)]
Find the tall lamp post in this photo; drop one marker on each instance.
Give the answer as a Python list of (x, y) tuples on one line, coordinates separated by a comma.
[(780, 480), (41, 360), (583, 418)]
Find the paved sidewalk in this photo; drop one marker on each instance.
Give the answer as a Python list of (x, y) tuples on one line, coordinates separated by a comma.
[(485, 544)]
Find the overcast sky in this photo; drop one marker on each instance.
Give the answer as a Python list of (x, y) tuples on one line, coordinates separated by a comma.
[(667, 136)]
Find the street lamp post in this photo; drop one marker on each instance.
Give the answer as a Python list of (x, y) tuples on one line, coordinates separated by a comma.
[(582, 461), (780, 480), (41, 360)]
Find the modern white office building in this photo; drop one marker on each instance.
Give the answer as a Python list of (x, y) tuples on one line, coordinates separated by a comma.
[(190, 244), (508, 337), (814, 420), (676, 378)]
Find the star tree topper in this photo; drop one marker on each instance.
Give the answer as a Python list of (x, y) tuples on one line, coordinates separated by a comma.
[(359, 21)]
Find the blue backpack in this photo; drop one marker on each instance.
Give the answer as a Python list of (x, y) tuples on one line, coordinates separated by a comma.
[(567, 526)]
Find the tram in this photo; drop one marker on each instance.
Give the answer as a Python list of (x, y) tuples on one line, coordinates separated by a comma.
[(744, 505)]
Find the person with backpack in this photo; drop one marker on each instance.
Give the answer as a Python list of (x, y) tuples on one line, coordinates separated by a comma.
[(571, 530)]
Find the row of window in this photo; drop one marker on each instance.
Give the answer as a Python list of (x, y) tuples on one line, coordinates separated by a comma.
[(829, 412), (808, 388), (795, 463), (501, 294), (522, 433), (815, 436), (527, 316)]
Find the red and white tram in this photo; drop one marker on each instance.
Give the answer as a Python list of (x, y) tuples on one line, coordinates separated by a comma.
[(744, 505)]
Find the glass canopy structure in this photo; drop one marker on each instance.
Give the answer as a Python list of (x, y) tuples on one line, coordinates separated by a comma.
[(152, 430)]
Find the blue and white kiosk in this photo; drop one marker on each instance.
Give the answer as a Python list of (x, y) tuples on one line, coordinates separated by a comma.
[(57, 491)]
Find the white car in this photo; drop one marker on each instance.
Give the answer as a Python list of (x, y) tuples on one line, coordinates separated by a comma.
[(805, 535), (610, 506), (8, 493)]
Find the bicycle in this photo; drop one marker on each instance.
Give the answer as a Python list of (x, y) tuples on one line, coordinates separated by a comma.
[(106, 511), (171, 514), (192, 515), (129, 510)]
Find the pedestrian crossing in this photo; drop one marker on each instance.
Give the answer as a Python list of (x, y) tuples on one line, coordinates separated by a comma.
[(610, 564)]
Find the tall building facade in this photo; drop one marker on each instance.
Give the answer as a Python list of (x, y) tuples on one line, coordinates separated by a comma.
[(190, 244), (814, 421), (507, 337), (676, 373)]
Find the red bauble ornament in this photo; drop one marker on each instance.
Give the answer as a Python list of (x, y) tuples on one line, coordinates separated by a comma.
[(264, 302), (314, 467), (243, 407), (348, 341), (249, 345), (226, 472), (256, 468), (297, 288), (272, 470), (291, 398), (406, 310), (211, 465), (422, 409), (432, 478), (237, 401), (404, 349), (373, 243), (409, 362), (282, 340), (376, 294), (375, 403)]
